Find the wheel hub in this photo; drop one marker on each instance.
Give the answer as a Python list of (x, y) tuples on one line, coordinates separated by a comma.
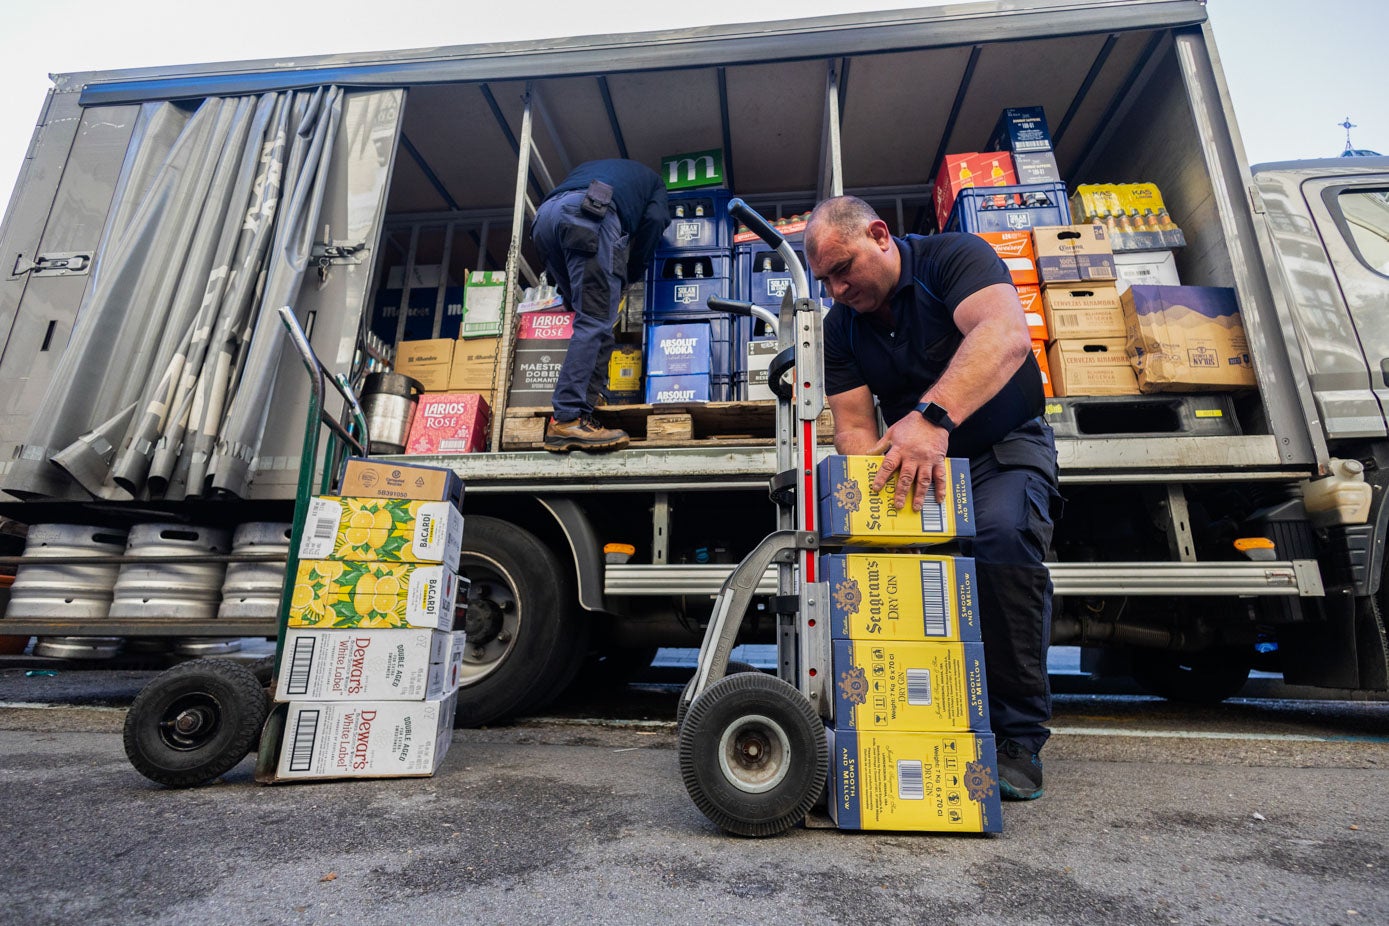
[(190, 722), (484, 621), (753, 753)]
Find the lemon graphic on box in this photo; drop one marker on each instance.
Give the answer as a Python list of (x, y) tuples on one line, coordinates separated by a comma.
[(381, 529), (333, 593)]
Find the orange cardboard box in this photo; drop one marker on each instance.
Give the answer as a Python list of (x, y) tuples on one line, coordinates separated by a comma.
[(958, 171), (1014, 248), (1039, 350), (1034, 310)]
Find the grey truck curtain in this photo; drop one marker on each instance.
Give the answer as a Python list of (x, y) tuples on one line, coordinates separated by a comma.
[(164, 386)]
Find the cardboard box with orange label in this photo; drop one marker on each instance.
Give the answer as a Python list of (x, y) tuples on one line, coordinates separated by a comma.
[(1014, 248), (975, 169), (1039, 350), (1034, 311)]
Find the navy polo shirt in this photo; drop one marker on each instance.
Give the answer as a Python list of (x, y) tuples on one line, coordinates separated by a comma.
[(900, 362)]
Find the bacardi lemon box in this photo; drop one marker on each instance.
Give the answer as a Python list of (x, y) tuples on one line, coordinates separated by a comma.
[(892, 685), (332, 594), (365, 739), (393, 530), (924, 782), (895, 596), (852, 513), (369, 665)]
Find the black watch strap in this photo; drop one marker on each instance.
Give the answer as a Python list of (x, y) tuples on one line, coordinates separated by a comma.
[(937, 415)]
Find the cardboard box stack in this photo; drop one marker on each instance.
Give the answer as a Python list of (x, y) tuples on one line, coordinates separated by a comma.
[(462, 367), (910, 747), (371, 659)]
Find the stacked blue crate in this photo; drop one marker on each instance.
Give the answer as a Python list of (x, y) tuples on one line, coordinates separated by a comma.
[(1009, 208), (762, 278), (693, 262)]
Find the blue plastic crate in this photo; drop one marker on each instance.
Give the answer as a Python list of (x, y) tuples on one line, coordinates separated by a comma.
[(761, 276), (699, 220), (1009, 208), (684, 282)]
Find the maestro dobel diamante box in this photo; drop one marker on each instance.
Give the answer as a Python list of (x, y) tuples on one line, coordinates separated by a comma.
[(924, 782), (896, 596), (369, 665), (899, 685), (852, 513)]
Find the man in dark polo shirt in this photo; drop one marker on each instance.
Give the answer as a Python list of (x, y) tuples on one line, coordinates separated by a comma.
[(596, 232), (932, 328)]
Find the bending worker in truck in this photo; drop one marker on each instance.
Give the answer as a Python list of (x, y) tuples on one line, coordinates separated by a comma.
[(595, 232), (932, 327)]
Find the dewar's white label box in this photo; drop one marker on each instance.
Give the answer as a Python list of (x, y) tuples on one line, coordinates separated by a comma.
[(369, 665), (365, 739)]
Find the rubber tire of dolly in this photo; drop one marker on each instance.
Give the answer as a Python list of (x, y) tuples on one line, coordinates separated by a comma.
[(682, 706), (233, 703), (741, 705), (551, 639)]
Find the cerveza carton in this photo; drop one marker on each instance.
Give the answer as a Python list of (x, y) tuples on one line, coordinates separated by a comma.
[(852, 513), (374, 479), (369, 665), (895, 685), (334, 594), (365, 739), (392, 530), (923, 782), (894, 596)]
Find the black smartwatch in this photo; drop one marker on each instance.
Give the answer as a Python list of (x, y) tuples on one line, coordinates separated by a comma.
[(936, 415)]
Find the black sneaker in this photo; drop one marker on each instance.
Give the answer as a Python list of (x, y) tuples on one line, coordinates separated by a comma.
[(583, 433), (1019, 772)]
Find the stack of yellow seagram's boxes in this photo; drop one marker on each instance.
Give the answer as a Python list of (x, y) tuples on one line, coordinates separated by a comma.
[(371, 660), (910, 747)]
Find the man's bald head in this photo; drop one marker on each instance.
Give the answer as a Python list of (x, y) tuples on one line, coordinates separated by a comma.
[(850, 248), (847, 215)]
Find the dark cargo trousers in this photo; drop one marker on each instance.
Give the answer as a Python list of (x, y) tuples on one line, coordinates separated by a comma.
[(587, 259), (1015, 501)]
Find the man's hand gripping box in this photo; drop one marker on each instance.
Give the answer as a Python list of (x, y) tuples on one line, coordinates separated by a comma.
[(852, 513)]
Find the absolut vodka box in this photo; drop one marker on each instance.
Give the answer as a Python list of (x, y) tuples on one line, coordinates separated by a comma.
[(677, 350)]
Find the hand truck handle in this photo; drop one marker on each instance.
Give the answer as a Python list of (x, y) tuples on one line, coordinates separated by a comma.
[(316, 371), (800, 286), (733, 307)]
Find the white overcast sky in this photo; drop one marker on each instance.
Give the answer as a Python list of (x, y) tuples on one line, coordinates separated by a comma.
[(1295, 68)]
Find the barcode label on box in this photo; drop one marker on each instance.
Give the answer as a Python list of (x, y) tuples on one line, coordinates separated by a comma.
[(932, 518), (918, 686), (911, 784), (935, 617), (301, 749), (300, 660), (321, 529)]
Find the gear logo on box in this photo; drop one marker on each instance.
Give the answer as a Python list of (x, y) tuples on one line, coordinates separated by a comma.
[(848, 596), (854, 684), (849, 495), (979, 781)]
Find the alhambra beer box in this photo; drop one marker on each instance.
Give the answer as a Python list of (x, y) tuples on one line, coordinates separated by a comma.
[(852, 513), (369, 665), (898, 685), (894, 596), (365, 739), (922, 782), (397, 530), (374, 479), (334, 594)]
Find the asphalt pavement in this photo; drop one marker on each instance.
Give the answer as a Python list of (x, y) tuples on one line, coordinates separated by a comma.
[(1256, 811)]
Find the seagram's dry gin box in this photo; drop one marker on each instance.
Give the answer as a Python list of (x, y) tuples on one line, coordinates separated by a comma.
[(924, 782), (365, 739), (894, 685), (852, 513), (369, 665), (334, 594), (397, 530), (897, 596)]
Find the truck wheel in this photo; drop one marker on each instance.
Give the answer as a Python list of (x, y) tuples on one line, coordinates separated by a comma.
[(195, 722), (752, 754), (1205, 677), (524, 640)]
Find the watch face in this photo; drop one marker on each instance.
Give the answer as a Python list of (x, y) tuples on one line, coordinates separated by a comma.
[(936, 415)]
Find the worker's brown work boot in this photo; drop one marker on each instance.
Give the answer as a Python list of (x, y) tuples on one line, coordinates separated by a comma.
[(583, 433)]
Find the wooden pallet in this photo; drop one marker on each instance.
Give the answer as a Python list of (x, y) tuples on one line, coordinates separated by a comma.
[(709, 424)]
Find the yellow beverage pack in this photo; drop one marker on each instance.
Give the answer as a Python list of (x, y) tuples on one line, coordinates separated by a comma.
[(901, 596), (852, 513), (393, 530), (922, 782), (337, 593), (895, 685)]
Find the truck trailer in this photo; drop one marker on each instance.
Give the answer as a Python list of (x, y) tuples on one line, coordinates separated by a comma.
[(1204, 535)]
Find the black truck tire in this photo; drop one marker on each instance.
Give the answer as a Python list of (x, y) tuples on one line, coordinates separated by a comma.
[(525, 640), (195, 722)]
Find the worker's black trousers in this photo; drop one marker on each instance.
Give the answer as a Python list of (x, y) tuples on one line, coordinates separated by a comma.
[(1015, 503)]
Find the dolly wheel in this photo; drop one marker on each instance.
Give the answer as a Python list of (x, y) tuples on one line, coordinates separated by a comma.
[(752, 754), (195, 722), (682, 707)]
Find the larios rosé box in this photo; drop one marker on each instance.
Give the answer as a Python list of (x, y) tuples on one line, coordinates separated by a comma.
[(449, 422), (365, 739), (377, 665)]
